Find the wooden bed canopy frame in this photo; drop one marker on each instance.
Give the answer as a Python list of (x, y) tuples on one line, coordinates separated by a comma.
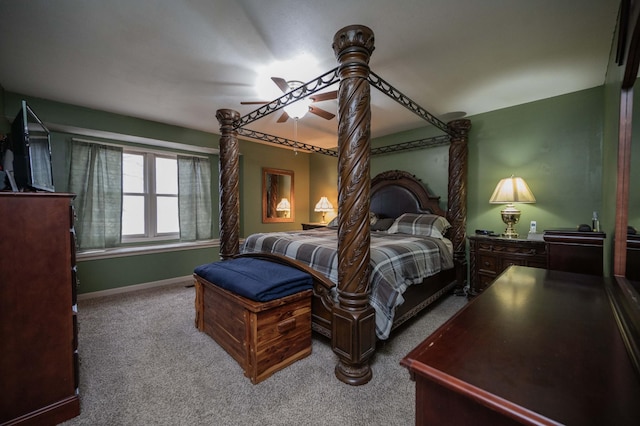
[(351, 322)]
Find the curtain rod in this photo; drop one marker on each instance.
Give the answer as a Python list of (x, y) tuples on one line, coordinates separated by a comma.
[(120, 137), (132, 148)]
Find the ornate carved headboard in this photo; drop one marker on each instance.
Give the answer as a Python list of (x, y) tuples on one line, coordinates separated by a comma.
[(396, 192)]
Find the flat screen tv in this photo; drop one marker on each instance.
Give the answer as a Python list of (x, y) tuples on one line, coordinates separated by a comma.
[(27, 162)]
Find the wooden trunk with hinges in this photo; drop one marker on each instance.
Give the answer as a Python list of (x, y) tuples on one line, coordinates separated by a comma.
[(263, 337)]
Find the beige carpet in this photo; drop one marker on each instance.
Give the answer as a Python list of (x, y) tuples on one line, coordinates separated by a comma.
[(142, 362)]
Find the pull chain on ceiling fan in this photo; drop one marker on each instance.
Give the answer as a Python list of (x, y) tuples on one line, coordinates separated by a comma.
[(295, 134), (299, 108)]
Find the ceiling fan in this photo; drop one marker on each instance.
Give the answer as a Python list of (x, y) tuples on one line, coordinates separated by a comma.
[(289, 86)]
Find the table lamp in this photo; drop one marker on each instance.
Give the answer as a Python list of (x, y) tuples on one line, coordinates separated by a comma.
[(323, 206), (511, 190), (284, 206)]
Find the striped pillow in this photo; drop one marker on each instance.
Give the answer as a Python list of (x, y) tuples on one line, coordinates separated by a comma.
[(426, 225)]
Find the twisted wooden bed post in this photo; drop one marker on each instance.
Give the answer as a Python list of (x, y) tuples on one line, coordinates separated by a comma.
[(457, 204), (353, 325), (229, 169)]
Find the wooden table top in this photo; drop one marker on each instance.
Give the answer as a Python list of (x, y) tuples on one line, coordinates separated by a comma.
[(538, 346)]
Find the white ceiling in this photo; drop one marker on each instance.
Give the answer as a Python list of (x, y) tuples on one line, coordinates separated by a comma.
[(178, 61)]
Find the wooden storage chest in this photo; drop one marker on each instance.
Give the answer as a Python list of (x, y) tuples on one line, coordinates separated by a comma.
[(263, 337)]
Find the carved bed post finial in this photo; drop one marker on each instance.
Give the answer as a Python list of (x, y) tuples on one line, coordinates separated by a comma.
[(353, 336), (457, 205), (229, 170)]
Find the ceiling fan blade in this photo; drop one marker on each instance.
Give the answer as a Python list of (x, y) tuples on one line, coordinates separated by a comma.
[(281, 83), (324, 96), (320, 112), (284, 117), (254, 103)]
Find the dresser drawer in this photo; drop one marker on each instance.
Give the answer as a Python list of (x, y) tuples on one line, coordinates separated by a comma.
[(487, 263), (505, 262)]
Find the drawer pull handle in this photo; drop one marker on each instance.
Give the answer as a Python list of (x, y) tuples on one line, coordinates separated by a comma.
[(486, 264), (286, 325)]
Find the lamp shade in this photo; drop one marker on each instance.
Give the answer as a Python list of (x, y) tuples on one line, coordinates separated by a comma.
[(323, 205), (283, 205), (512, 190)]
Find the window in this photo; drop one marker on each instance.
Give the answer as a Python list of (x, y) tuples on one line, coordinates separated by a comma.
[(138, 195), (149, 196)]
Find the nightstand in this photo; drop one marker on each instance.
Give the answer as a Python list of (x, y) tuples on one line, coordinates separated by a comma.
[(574, 251), (490, 256), (313, 225)]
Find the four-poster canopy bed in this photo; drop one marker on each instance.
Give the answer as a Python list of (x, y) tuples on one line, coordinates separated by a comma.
[(342, 309)]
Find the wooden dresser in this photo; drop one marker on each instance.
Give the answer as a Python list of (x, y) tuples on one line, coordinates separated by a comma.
[(38, 325), (537, 347)]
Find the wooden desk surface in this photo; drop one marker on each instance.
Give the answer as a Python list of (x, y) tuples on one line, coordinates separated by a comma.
[(536, 347)]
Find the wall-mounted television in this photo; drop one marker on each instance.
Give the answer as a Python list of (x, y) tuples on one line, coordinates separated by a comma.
[(27, 161)]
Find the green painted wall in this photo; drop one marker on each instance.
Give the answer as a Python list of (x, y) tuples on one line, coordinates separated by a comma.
[(85, 118), (555, 144), (324, 183), (71, 115), (255, 156), (103, 274), (431, 165)]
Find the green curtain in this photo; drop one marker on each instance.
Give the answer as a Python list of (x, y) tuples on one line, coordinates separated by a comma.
[(194, 198), (95, 176)]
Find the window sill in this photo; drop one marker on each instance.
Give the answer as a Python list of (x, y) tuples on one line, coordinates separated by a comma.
[(140, 250)]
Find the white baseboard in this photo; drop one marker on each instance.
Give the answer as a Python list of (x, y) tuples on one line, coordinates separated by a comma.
[(187, 279)]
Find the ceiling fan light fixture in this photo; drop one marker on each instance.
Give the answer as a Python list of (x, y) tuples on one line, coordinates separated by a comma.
[(300, 104), (299, 108)]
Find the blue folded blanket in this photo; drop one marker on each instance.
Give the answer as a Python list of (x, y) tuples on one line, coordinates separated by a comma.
[(255, 279)]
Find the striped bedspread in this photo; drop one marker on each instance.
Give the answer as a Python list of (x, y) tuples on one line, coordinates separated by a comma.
[(397, 261)]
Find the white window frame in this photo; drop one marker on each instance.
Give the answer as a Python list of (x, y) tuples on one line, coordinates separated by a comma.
[(150, 198)]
